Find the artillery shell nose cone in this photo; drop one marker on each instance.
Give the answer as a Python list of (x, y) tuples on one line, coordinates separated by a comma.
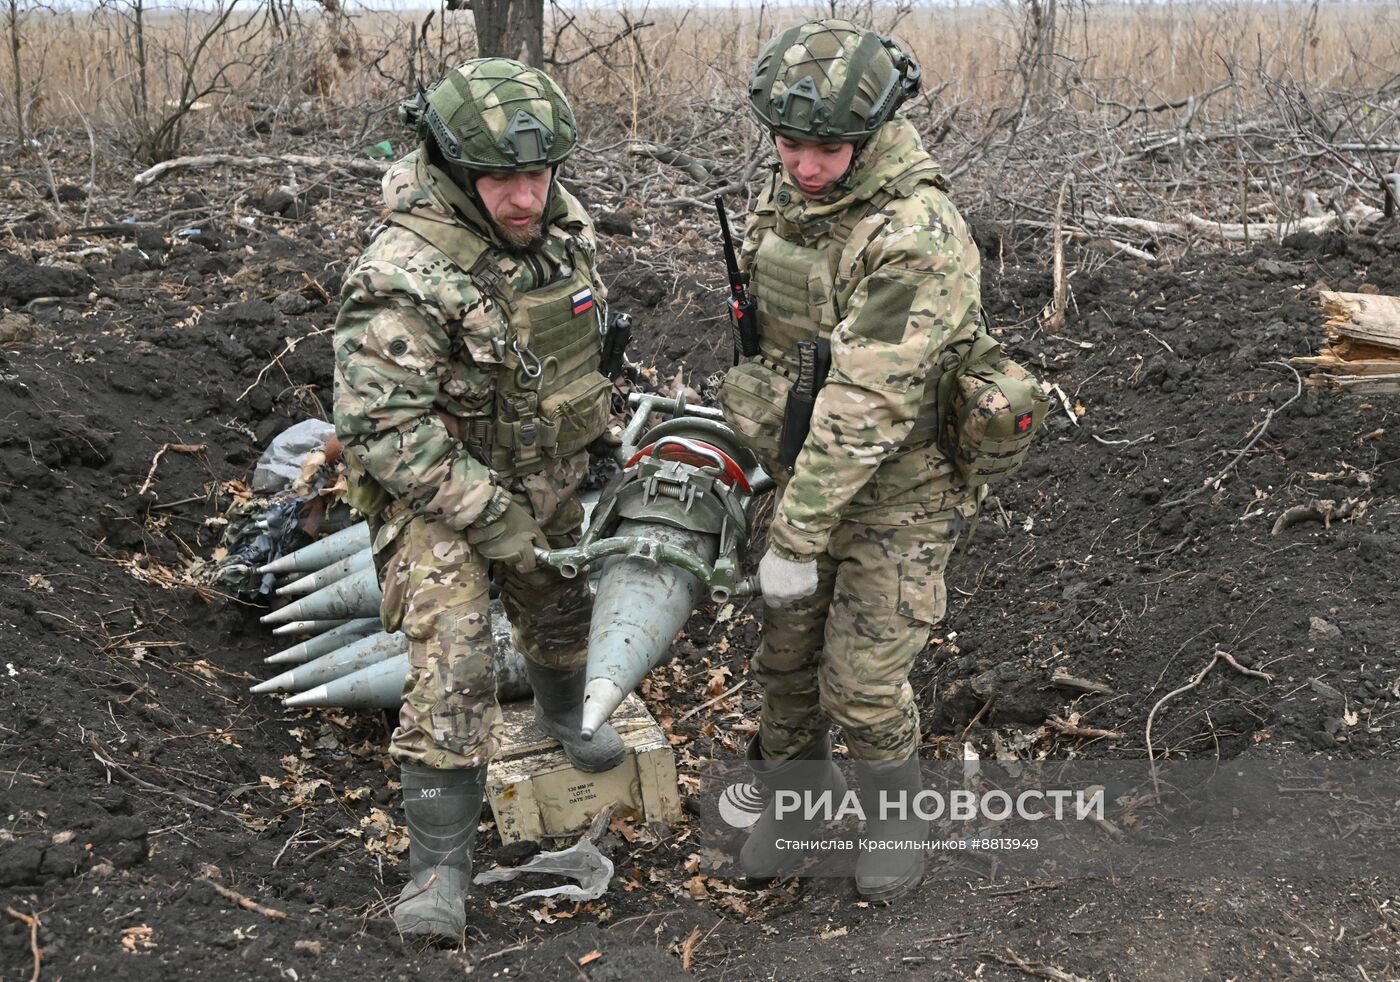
[(280, 683), (600, 698), (311, 697), (321, 553), (304, 651)]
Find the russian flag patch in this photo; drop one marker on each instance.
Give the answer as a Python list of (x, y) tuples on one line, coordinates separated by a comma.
[(582, 301)]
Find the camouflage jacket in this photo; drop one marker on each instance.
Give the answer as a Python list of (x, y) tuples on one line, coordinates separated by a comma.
[(418, 341), (907, 281)]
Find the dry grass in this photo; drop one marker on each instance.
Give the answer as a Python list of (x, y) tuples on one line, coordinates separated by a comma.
[(1209, 112), (80, 62)]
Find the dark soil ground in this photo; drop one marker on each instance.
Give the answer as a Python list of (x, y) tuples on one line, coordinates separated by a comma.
[(138, 772)]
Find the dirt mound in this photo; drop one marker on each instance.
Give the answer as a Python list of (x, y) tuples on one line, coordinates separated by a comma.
[(141, 777)]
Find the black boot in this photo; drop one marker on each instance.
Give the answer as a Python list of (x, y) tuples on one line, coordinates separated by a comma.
[(881, 873), (809, 772), (442, 808), (559, 708)]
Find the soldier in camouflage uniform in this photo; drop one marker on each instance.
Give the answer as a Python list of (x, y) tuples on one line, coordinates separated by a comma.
[(853, 242), (466, 394)]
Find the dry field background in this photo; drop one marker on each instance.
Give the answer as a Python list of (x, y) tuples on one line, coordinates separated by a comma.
[(1160, 124)]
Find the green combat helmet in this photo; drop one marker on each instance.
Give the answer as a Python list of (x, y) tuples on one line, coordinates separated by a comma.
[(495, 114), (830, 81)]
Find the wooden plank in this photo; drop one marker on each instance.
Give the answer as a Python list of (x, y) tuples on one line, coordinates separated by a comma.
[(1364, 384), (1350, 366), (1370, 317)]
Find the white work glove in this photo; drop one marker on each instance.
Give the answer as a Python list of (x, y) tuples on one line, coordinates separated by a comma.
[(783, 581)]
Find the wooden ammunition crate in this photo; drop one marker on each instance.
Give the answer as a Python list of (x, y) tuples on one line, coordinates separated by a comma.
[(535, 792)]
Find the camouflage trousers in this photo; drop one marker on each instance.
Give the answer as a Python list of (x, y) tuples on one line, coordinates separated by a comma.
[(437, 591), (844, 654)]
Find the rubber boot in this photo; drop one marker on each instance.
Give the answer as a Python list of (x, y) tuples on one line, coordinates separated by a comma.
[(888, 874), (559, 708), (442, 808), (808, 772)]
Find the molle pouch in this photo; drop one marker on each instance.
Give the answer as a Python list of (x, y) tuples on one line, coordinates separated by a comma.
[(523, 439), (753, 398), (996, 408), (578, 413)]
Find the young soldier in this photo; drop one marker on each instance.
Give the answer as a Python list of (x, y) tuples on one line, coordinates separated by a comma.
[(854, 244), (466, 391)]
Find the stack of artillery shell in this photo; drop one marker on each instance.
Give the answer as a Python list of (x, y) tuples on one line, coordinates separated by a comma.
[(350, 662)]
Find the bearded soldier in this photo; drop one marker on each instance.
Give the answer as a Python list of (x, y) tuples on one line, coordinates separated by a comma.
[(855, 248), (466, 392)]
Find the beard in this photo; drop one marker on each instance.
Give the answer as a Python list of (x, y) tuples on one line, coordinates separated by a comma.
[(521, 238)]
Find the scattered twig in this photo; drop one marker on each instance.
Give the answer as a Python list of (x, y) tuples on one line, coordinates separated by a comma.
[(962, 737), (1258, 434), (155, 461), (1053, 316), (1195, 681), (497, 954), (710, 702), (944, 938), (243, 901), (1031, 968), (1083, 685), (1065, 404), (329, 846), (32, 921), (1064, 726), (688, 948), (112, 765), (1158, 340), (287, 349), (182, 501), (320, 290)]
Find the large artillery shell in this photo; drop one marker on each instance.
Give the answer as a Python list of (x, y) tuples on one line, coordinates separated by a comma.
[(339, 637), (300, 628), (322, 552), (357, 595), (322, 578), (640, 607), (380, 686), (343, 661)]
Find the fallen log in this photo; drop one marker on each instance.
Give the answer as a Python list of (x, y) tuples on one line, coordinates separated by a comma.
[(1370, 317), (1357, 215), (702, 171), (367, 168), (1363, 351)]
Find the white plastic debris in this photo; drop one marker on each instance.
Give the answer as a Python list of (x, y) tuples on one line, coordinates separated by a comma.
[(282, 461), (581, 861)]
